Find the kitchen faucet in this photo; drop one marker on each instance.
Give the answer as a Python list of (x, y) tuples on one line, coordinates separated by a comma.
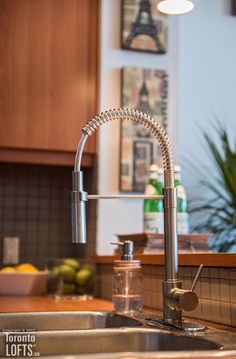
[(175, 299)]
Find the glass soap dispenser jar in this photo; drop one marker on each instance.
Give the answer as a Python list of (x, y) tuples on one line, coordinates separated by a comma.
[(127, 294)]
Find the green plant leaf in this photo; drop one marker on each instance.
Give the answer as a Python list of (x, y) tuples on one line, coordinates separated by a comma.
[(219, 212)]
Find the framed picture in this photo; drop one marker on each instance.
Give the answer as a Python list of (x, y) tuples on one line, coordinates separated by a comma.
[(144, 90), (234, 7), (143, 28)]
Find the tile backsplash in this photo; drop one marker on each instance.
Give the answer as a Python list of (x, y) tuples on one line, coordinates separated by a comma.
[(216, 290), (35, 206)]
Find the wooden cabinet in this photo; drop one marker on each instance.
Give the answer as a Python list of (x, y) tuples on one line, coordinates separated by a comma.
[(48, 78)]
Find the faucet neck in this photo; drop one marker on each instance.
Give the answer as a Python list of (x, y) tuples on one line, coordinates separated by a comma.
[(133, 115)]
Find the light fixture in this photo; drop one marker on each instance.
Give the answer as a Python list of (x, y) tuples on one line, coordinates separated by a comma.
[(175, 7)]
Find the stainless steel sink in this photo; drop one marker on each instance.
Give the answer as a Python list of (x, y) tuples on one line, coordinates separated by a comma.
[(65, 320), (114, 341), (89, 334)]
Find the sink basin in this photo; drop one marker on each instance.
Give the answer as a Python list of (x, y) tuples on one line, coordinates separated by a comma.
[(65, 320), (93, 333), (113, 341)]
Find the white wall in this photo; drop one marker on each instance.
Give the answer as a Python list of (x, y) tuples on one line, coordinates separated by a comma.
[(125, 216), (207, 80), (201, 62)]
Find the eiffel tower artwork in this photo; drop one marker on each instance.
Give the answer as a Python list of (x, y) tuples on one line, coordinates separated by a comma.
[(146, 90), (143, 28), (143, 106)]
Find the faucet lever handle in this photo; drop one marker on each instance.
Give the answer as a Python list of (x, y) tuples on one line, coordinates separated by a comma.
[(196, 277)]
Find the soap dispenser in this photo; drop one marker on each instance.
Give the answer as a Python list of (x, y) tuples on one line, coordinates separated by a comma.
[(127, 294)]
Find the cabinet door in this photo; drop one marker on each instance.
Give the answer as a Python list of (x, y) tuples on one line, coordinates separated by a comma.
[(48, 72)]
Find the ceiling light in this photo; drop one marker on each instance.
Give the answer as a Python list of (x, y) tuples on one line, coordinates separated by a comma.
[(175, 7)]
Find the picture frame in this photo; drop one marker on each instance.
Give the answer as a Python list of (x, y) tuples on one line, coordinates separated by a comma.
[(145, 90), (143, 28), (233, 7)]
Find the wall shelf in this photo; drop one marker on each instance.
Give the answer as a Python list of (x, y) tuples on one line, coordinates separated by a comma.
[(191, 259)]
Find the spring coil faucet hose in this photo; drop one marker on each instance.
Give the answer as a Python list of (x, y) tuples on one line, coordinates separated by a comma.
[(149, 123)]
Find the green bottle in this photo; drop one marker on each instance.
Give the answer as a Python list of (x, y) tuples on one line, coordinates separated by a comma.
[(153, 217), (182, 204)]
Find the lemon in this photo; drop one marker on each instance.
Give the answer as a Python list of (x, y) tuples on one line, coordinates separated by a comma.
[(8, 270), (73, 263), (26, 268), (67, 273), (83, 276)]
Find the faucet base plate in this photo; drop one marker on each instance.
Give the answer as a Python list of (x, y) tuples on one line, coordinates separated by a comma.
[(174, 324)]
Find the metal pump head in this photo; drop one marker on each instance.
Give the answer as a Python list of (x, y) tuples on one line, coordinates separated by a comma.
[(127, 250)]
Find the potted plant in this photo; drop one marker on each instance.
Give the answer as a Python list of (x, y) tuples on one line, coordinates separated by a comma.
[(219, 212)]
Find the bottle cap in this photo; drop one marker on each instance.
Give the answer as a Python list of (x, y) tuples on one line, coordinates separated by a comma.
[(121, 264), (177, 168), (153, 168)]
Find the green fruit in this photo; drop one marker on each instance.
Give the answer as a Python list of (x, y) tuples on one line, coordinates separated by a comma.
[(73, 263), (83, 276), (69, 288), (55, 270), (87, 266), (67, 273)]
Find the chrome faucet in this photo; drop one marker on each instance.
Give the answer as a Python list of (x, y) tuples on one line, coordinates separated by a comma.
[(175, 299)]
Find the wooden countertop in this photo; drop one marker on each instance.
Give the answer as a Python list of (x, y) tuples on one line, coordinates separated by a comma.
[(49, 303), (188, 259)]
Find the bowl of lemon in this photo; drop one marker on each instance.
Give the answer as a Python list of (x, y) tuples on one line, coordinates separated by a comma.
[(23, 279), (70, 276)]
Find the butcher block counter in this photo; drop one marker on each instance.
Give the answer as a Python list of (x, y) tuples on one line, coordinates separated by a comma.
[(50, 303)]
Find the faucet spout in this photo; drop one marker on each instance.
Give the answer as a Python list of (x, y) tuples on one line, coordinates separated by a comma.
[(78, 198), (78, 209)]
